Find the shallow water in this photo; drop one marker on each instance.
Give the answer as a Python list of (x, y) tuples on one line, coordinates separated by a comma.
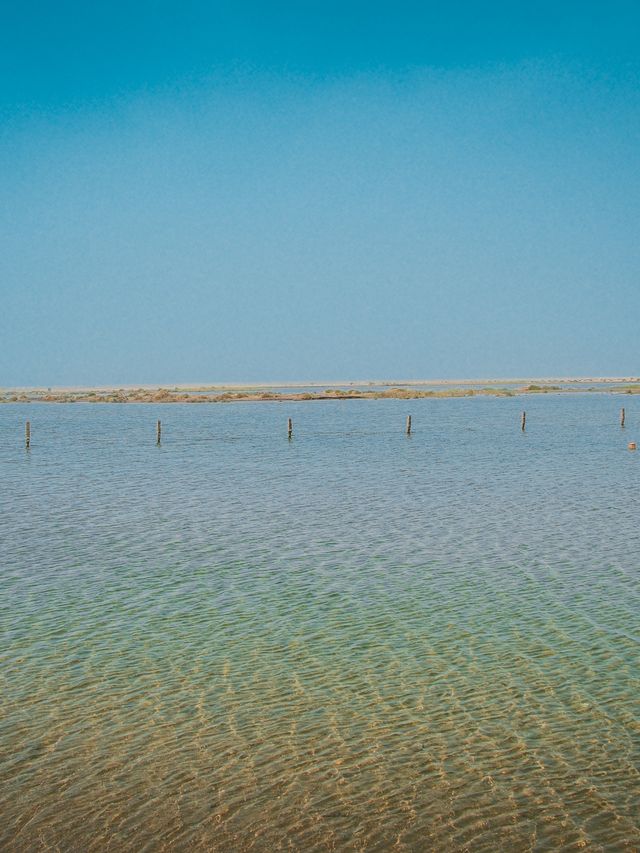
[(353, 640)]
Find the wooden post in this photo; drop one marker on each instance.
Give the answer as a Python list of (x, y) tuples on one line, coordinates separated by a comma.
[(524, 421), (408, 424), (622, 417), (158, 432), (289, 428), (27, 434)]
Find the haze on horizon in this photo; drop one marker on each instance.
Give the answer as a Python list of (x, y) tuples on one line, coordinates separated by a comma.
[(260, 192)]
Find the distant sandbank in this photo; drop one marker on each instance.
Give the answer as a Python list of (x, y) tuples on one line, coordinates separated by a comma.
[(299, 391)]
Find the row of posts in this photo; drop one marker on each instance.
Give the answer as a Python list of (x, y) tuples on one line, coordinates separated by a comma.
[(523, 426)]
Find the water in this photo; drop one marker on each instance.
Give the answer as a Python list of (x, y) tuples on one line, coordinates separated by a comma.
[(353, 640)]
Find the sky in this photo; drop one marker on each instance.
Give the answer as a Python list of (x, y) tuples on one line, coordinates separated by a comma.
[(278, 191)]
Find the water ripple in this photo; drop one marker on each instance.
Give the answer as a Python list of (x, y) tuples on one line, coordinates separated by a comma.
[(353, 641)]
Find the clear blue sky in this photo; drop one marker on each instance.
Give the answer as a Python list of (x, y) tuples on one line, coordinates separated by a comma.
[(204, 191)]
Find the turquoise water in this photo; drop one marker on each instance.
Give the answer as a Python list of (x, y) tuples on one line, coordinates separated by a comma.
[(356, 640)]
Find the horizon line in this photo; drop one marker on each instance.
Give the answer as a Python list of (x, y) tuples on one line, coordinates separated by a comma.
[(184, 386)]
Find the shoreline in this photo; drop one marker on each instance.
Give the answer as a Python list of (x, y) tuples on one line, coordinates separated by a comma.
[(333, 383), (410, 390)]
